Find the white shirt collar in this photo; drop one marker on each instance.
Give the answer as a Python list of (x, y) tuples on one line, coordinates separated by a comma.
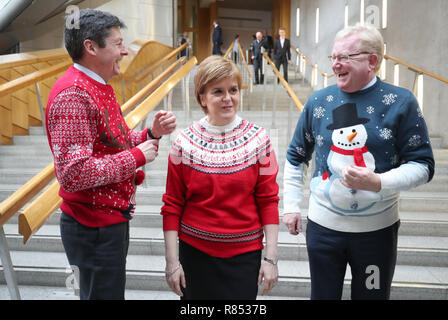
[(371, 83), (89, 73)]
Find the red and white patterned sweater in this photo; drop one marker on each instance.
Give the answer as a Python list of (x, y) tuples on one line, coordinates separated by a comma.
[(221, 187), (94, 151)]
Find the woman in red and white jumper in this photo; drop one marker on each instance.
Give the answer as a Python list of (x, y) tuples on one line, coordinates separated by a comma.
[(221, 197)]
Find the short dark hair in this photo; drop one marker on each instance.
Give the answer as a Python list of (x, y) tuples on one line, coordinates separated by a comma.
[(93, 25)]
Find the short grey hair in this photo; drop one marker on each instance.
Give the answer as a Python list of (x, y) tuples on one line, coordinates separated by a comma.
[(371, 40)]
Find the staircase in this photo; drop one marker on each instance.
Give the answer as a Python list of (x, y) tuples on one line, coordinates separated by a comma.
[(42, 268)]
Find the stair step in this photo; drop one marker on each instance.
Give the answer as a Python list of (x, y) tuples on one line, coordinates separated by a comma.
[(412, 250), (63, 293), (145, 272)]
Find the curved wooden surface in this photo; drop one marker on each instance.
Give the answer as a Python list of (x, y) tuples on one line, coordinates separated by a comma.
[(245, 62), (35, 215), (149, 87), (32, 78), (146, 72), (416, 69), (14, 60), (229, 49), (136, 115), (25, 193)]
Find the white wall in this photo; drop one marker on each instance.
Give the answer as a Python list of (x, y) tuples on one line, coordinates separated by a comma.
[(415, 33), (148, 19)]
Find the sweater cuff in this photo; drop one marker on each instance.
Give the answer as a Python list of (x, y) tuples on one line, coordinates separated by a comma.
[(171, 222), (138, 156), (145, 135)]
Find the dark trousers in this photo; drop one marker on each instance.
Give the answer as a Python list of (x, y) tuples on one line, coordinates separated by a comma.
[(235, 57), (213, 278), (100, 256), (258, 70), (216, 49), (372, 257), (284, 63)]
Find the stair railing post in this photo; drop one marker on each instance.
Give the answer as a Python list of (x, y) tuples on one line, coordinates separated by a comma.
[(264, 88), (41, 107), (187, 95), (8, 268), (170, 100), (183, 94), (241, 100), (274, 102), (303, 71), (288, 134)]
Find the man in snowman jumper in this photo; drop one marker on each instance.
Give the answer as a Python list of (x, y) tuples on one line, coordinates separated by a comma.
[(371, 142)]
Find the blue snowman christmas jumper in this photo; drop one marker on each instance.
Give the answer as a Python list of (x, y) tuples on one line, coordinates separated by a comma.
[(380, 127)]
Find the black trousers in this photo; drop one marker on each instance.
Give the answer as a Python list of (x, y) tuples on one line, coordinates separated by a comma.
[(284, 63), (372, 257), (100, 256), (212, 278), (258, 70), (216, 49)]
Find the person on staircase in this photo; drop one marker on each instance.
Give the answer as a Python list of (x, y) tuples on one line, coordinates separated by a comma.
[(257, 57), (221, 196), (217, 38), (282, 53), (371, 142), (96, 155)]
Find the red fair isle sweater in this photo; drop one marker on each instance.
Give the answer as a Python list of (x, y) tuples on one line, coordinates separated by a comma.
[(94, 151), (221, 187)]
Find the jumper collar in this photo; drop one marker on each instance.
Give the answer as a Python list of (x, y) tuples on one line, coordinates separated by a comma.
[(89, 73), (220, 129)]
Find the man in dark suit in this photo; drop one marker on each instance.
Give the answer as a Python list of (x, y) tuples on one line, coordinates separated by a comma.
[(217, 38), (282, 53), (268, 43), (257, 57)]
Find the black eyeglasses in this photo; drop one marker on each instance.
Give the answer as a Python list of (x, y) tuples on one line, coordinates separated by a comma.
[(345, 57)]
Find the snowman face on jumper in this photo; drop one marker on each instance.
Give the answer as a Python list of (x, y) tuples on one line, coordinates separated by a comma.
[(350, 138), (349, 132)]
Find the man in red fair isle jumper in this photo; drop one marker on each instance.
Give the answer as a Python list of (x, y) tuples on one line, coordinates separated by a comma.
[(96, 155)]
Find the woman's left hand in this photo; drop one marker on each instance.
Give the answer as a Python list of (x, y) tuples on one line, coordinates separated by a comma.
[(269, 273)]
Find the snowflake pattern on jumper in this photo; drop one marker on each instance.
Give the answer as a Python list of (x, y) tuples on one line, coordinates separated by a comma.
[(415, 140), (389, 99), (319, 112), (309, 137), (99, 164), (370, 109), (419, 113), (300, 151), (329, 98), (386, 133), (320, 140), (394, 159), (75, 150), (57, 151)]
